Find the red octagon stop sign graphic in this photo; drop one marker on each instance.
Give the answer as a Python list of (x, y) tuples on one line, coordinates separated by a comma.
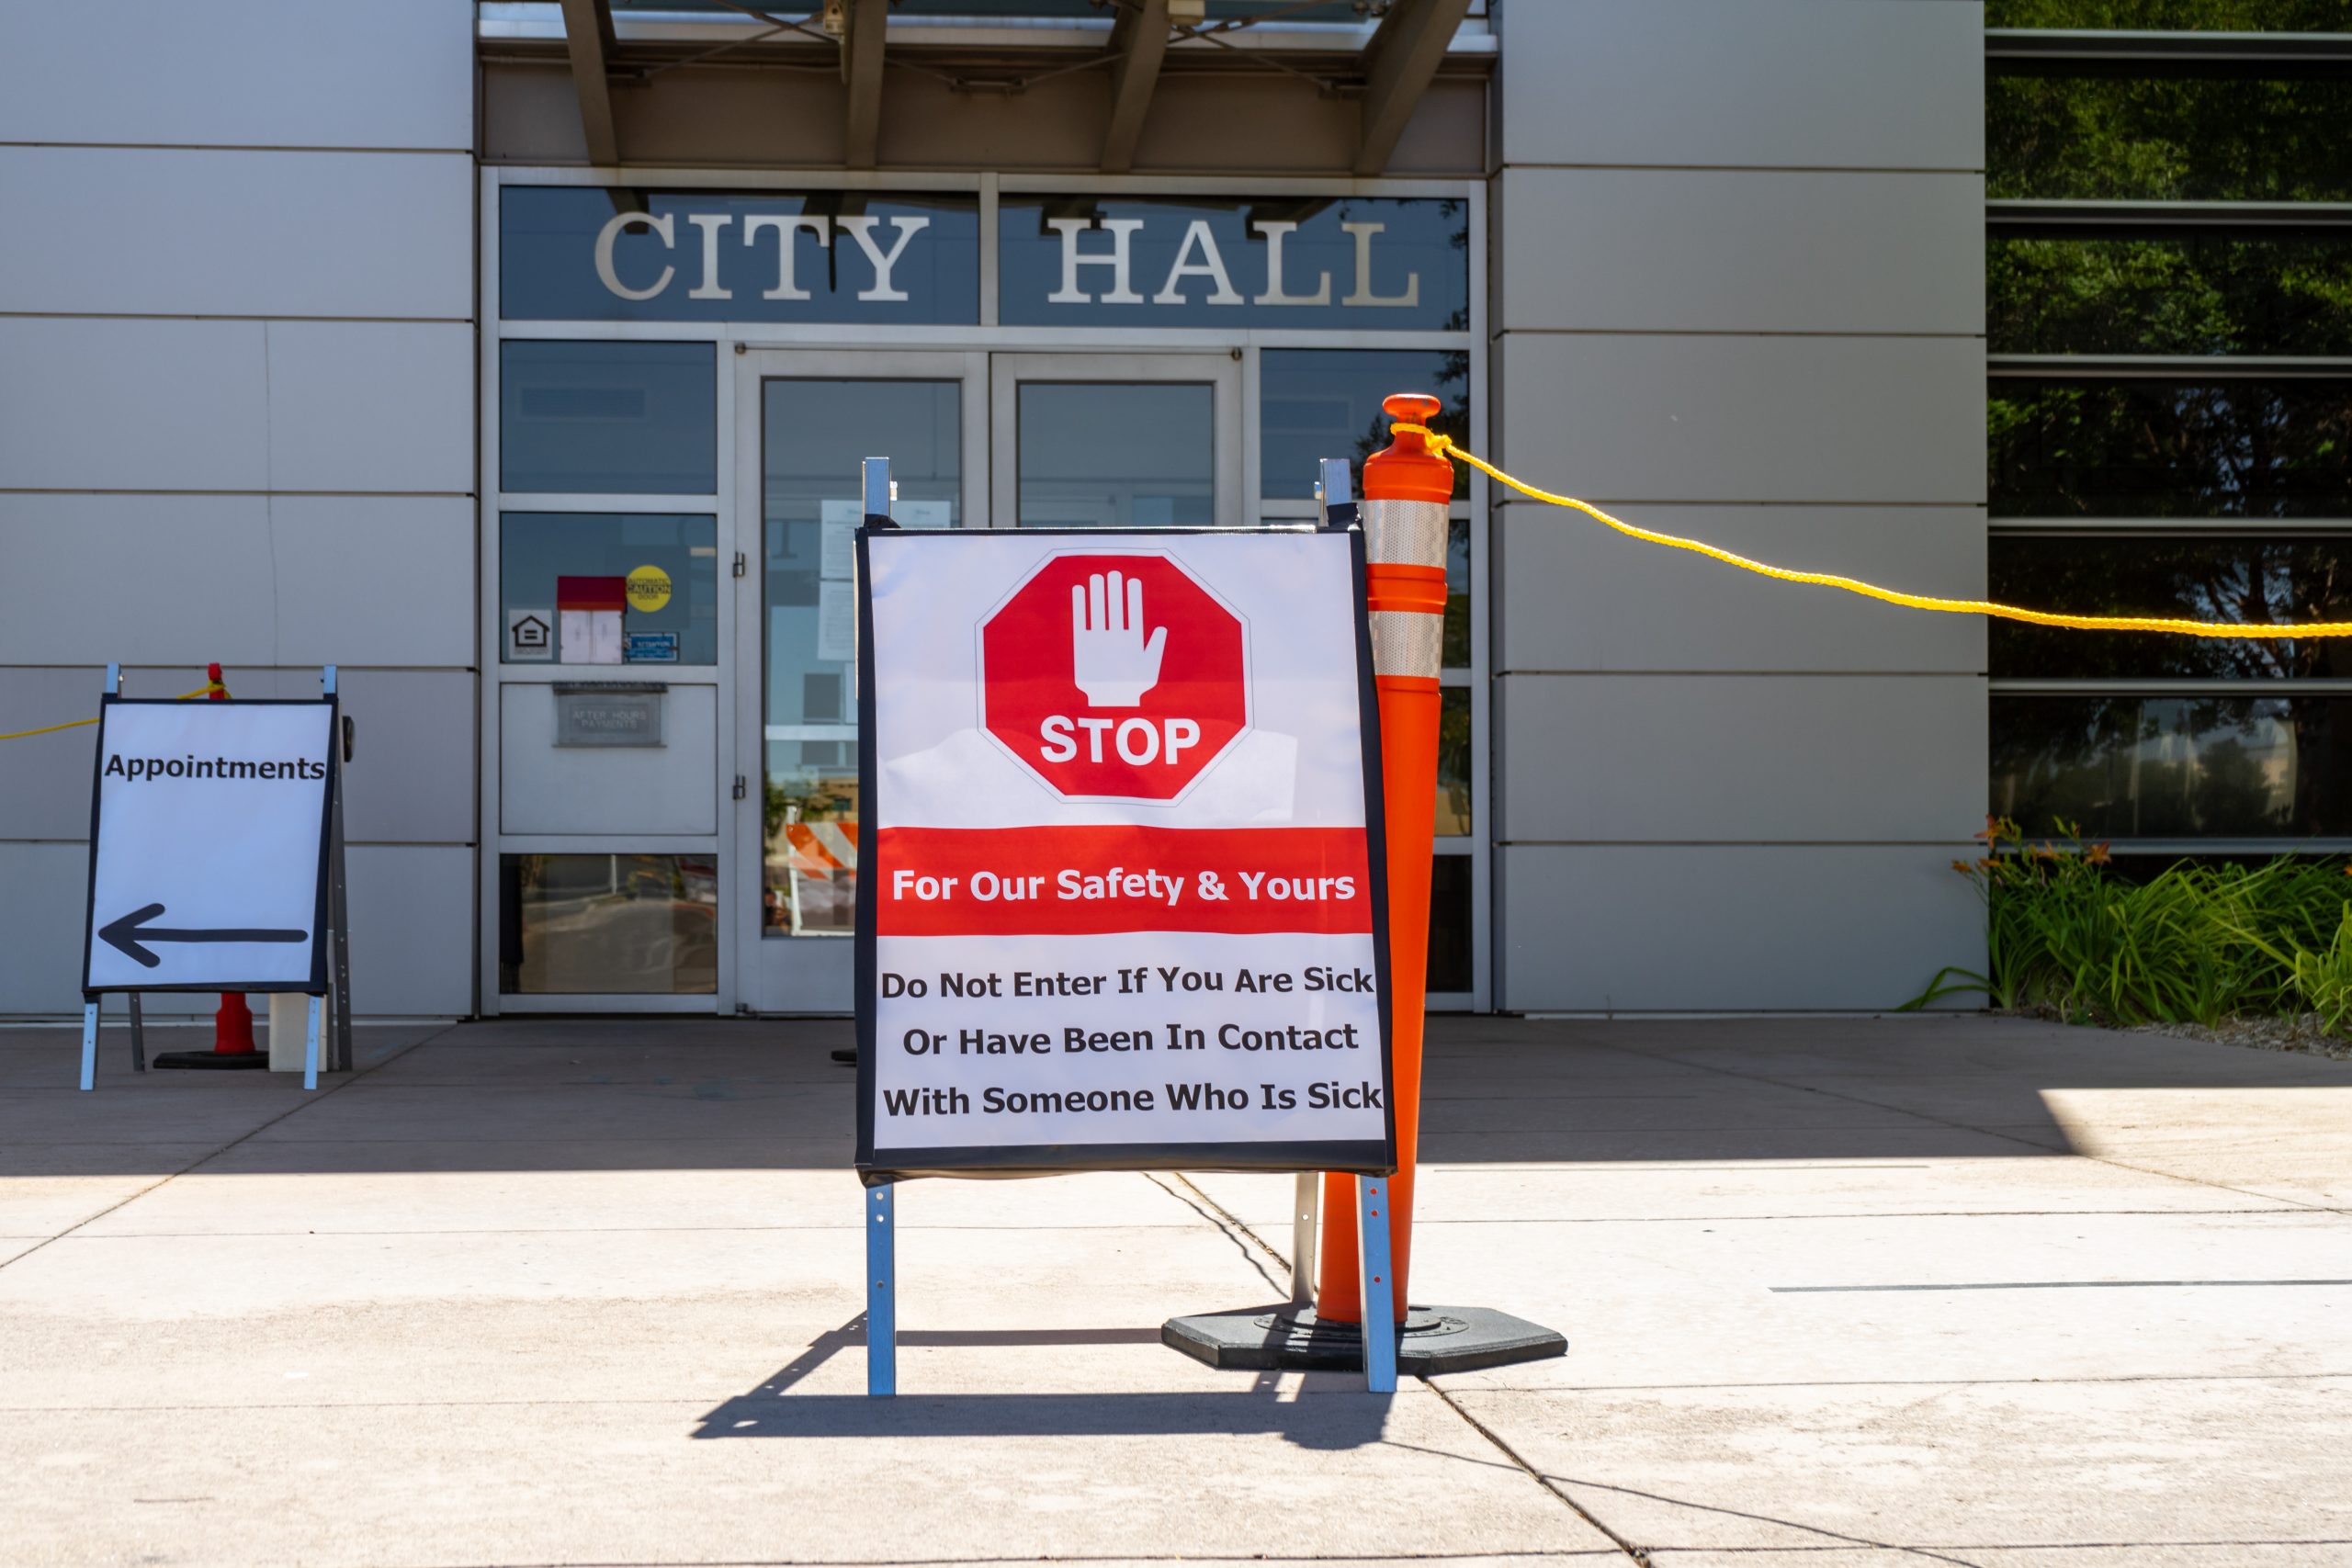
[(1114, 676)]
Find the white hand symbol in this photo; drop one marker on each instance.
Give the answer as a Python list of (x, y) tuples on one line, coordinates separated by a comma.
[(1109, 658)]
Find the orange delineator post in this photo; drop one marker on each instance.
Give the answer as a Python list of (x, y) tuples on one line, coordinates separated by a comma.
[(1407, 491), (232, 1023)]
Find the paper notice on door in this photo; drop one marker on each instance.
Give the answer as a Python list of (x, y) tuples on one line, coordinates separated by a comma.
[(837, 550), (836, 622)]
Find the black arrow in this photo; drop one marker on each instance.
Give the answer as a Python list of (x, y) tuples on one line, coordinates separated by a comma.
[(127, 933)]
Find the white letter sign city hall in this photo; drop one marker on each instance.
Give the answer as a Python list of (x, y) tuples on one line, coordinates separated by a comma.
[(1379, 262)]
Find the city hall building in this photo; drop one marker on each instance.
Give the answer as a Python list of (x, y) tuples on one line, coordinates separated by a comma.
[(517, 359)]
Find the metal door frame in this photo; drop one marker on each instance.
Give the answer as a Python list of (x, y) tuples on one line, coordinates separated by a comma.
[(813, 974)]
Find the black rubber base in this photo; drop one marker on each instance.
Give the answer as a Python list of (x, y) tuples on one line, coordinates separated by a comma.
[(212, 1061), (1435, 1340)]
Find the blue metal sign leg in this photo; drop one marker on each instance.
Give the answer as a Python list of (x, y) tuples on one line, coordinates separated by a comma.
[(89, 1046), (881, 1286), (311, 1047), (1379, 1331)]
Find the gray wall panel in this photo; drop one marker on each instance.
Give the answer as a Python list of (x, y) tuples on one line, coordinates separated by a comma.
[(1740, 759), (412, 930), (1661, 418), (1738, 928), (247, 580), (1801, 83), (1571, 596), (41, 931), (412, 780), (240, 72), (237, 233), (91, 404), (371, 405), (100, 404), (1650, 250)]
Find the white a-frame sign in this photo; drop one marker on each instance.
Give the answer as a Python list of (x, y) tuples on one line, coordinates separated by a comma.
[(215, 852)]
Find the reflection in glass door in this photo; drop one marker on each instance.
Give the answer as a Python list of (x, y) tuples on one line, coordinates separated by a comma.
[(1116, 441), (814, 418)]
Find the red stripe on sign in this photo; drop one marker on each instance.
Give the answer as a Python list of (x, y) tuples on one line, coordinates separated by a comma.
[(1097, 881)]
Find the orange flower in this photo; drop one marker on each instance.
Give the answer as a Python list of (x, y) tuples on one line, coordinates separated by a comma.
[(2096, 855)]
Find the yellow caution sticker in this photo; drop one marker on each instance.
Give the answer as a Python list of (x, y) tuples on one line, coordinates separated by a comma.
[(648, 589)]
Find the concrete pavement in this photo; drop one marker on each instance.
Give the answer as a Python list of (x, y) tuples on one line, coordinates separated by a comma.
[(1838, 1291)]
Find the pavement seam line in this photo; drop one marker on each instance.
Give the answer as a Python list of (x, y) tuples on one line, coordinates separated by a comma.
[(1226, 1217), (308, 1100), (1637, 1554), (1218, 1215)]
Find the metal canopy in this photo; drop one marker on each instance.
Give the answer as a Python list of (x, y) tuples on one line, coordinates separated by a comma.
[(1386, 57)]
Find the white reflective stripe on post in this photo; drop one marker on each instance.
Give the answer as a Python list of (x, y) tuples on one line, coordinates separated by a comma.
[(1405, 642), (89, 1046), (1379, 1331), (311, 1050), (881, 1286), (1403, 532)]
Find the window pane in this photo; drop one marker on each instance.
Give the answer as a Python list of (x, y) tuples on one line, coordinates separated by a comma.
[(815, 430), (2199, 296), (2172, 137), (608, 418), (614, 925), (2203, 578), (2154, 448), (1454, 762), (1456, 653), (608, 588), (1117, 454), (1315, 403), (2124, 767), (1450, 961)]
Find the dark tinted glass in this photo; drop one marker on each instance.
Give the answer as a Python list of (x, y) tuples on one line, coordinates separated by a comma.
[(2127, 767), (1454, 818), (2178, 136), (1205, 261), (538, 550), (1325, 403), (2152, 448), (1117, 454), (2246, 581), (1449, 956), (1457, 594), (608, 418), (2168, 295), (576, 254), (607, 925), (2170, 15)]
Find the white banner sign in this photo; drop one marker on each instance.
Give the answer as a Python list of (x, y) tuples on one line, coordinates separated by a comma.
[(1119, 905), (208, 852)]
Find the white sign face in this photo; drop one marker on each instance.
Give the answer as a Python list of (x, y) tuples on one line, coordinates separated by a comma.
[(207, 864), (1118, 898)]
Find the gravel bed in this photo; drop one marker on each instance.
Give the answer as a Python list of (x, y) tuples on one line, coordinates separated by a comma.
[(2301, 1034)]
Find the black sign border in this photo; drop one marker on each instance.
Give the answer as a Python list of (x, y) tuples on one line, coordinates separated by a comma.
[(878, 1167), (317, 985)]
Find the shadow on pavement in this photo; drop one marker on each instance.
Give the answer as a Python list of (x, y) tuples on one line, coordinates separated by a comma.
[(670, 1094), (1337, 1417)]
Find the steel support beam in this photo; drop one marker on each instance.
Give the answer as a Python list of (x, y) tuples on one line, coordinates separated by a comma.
[(1140, 38), (861, 70), (588, 33), (1398, 64)]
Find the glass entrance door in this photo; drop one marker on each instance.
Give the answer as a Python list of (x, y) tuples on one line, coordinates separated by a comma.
[(804, 423), (1116, 440)]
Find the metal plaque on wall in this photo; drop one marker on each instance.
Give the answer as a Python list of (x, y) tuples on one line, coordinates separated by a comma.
[(591, 713)]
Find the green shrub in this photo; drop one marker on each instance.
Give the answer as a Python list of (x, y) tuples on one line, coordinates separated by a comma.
[(2194, 944)]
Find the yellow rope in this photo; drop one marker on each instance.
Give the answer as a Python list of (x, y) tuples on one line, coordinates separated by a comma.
[(210, 686), (1444, 447)]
